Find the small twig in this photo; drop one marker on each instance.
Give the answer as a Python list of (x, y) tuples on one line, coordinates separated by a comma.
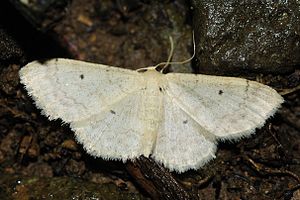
[(284, 92), (267, 171), (274, 136), (156, 180)]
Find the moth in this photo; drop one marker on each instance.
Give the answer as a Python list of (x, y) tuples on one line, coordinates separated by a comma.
[(175, 118)]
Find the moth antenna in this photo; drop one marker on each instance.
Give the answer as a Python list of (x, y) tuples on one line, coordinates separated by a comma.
[(170, 54), (166, 64)]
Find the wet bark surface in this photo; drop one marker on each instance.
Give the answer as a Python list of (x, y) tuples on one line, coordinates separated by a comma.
[(40, 158)]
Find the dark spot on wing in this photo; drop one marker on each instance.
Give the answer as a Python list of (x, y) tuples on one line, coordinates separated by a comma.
[(112, 112), (81, 76), (185, 121), (160, 89), (221, 92)]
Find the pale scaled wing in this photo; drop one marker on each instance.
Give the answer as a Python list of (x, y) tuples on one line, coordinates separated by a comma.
[(104, 105), (227, 107), (181, 143), (75, 90), (119, 132)]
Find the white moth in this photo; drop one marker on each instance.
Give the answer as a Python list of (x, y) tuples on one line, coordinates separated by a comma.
[(175, 118)]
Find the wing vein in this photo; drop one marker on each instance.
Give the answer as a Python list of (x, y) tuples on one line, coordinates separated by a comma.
[(180, 105)]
